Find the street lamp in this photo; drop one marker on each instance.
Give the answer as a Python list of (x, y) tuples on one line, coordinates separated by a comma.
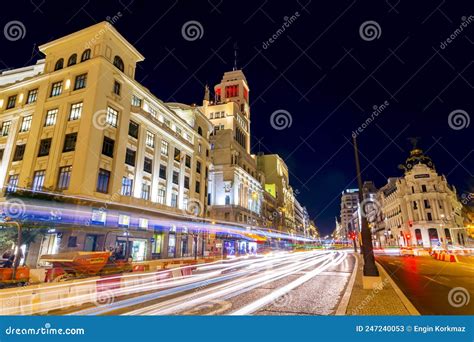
[(370, 269)]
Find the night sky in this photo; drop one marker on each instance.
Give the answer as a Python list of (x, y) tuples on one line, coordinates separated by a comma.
[(321, 70)]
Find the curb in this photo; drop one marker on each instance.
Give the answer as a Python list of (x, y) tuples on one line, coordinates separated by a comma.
[(344, 303), (405, 301)]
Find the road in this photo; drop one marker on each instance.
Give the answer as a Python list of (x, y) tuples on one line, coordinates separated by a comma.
[(301, 283), (434, 287)]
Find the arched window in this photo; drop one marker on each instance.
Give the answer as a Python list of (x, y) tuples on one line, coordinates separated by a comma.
[(200, 131), (72, 60), (118, 62), (59, 64), (86, 55)]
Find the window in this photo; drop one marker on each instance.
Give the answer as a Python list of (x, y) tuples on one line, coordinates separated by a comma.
[(161, 196), (232, 91), (26, 123), (86, 55), (430, 218), (76, 111), (148, 165), (5, 128), (130, 157), (11, 102), (45, 145), (186, 182), (199, 148), (2, 152), (423, 188), (80, 81), (12, 183), (174, 200), (32, 96), (111, 117), (118, 62), (72, 59), (198, 166), (108, 147), (133, 129), (227, 200), (415, 205), (38, 180), (56, 88), (145, 191), (64, 177), (117, 88), (136, 101), (187, 161), (427, 204), (72, 242), (198, 187), (123, 220), (152, 111), (127, 185), (200, 131), (59, 64), (150, 139), (103, 181), (19, 152), (177, 154), (143, 223), (164, 148), (162, 171), (70, 142), (175, 177), (51, 117)]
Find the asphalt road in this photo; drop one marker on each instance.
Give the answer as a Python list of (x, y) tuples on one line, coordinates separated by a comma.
[(434, 287), (303, 283)]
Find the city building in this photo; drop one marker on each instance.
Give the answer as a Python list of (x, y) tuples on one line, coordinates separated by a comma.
[(420, 208), (349, 206), (78, 124), (277, 184)]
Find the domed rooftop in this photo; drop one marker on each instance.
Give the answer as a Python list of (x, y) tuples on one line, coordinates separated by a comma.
[(417, 157)]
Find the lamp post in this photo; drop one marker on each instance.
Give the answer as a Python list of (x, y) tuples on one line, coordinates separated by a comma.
[(370, 269)]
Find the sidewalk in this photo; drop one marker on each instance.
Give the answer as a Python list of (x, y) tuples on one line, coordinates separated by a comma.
[(386, 301)]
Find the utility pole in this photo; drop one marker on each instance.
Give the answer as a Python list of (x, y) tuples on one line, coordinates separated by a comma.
[(370, 269)]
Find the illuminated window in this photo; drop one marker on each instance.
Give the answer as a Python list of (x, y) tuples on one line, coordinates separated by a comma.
[(164, 148), (161, 196), (174, 200), (51, 117), (150, 139), (76, 111), (127, 185), (32, 96), (111, 117), (38, 180), (5, 128), (56, 89), (145, 191), (80, 81), (136, 101), (64, 177), (124, 220), (143, 223), (12, 183), (26, 123)]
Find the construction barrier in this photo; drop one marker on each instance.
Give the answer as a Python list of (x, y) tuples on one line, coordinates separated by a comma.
[(444, 256)]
